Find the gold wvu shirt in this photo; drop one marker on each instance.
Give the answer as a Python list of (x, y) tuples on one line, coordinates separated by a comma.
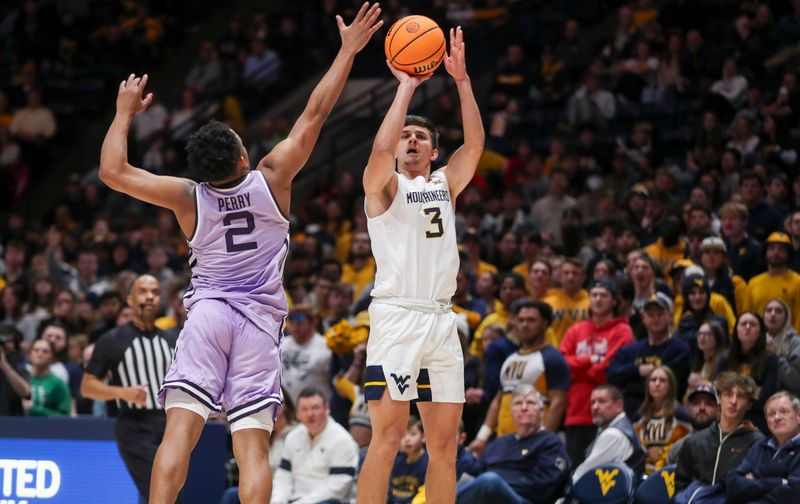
[(764, 287), (566, 311)]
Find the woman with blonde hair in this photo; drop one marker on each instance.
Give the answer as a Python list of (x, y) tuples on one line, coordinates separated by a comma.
[(664, 420), (784, 341)]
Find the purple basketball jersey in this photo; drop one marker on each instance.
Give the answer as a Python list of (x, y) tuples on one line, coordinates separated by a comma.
[(238, 250)]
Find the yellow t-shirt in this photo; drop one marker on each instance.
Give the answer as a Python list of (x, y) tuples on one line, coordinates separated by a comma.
[(665, 256), (490, 161), (764, 287), (499, 316), (566, 311), (485, 267), (166, 323), (359, 278), (473, 318)]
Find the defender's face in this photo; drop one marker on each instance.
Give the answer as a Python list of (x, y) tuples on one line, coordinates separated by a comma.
[(415, 146)]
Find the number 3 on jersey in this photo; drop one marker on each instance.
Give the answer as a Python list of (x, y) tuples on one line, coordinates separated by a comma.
[(249, 227), (436, 220)]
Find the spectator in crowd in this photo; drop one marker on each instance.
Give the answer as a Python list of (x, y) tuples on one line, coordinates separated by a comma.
[(591, 104), (616, 441), (347, 386), (14, 258), (49, 395), (306, 355), (732, 86), (537, 475), (762, 218), (33, 126), (771, 470), (88, 279), (512, 288), (359, 271), (14, 386), (553, 204), (633, 363), (570, 303), (340, 299), (697, 309), (714, 260), (536, 363), (745, 254), (748, 355), (109, 305), (513, 75), (706, 354), (703, 408), (56, 333), (642, 271), (206, 77), (320, 457), (707, 456), (778, 281), (407, 478), (663, 419), (262, 66), (588, 347), (784, 341)]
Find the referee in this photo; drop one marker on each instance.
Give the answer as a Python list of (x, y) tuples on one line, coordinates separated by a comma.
[(134, 359)]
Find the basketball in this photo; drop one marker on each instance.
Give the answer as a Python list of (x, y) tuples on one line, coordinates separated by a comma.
[(415, 45)]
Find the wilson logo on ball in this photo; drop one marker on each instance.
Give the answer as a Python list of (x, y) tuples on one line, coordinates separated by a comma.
[(412, 27), (427, 68)]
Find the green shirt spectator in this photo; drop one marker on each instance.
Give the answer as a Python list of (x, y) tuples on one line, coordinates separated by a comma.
[(49, 394)]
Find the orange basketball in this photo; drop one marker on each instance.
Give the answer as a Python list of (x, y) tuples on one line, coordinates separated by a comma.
[(415, 45)]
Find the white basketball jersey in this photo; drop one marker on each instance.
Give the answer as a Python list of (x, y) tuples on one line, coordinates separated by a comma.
[(414, 241)]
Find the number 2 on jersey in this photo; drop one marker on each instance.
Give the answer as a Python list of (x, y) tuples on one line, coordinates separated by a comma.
[(249, 227), (436, 220)]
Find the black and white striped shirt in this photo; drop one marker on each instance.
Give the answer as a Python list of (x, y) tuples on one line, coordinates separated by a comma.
[(129, 356)]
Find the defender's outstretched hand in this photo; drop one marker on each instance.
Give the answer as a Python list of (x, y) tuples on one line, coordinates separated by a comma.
[(356, 35), (129, 97), (456, 61)]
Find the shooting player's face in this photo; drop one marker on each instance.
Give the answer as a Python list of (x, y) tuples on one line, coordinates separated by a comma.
[(415, 147)]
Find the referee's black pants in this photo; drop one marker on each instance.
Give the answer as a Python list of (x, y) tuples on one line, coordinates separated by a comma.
[(138, 436)]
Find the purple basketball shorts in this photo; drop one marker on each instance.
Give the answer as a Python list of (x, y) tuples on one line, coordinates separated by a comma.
[(225, 361)]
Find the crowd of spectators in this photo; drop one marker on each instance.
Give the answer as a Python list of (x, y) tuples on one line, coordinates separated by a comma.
[(630, 247)]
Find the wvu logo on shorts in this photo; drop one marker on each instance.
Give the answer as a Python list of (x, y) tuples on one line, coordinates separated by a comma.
[(606, 479), (401, 381), (669, 481)]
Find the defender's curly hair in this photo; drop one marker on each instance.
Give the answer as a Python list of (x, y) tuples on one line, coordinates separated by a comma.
[(212, 151)]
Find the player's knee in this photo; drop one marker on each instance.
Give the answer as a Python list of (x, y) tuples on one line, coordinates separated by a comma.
[(441, 447), (387, 441), (179, 399), (253, 490)]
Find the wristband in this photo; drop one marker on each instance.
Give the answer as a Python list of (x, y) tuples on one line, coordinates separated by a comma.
[(484, 433)]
